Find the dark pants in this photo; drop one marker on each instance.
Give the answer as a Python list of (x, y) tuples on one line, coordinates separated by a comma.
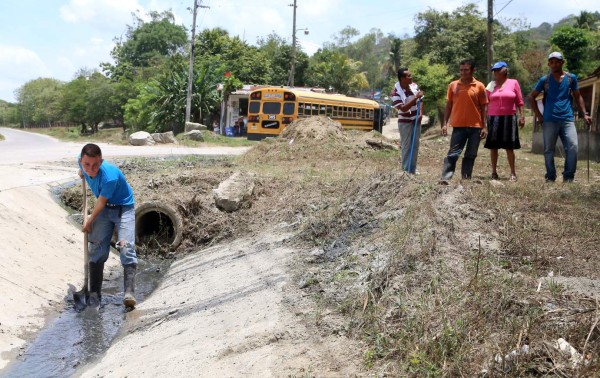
[(461, 136)]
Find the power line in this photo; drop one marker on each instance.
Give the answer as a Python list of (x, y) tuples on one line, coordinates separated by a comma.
[(509, 1)]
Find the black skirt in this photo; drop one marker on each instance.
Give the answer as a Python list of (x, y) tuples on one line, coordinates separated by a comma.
[(503, 133)]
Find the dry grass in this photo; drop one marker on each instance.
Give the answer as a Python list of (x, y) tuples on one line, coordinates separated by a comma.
[(436, 280)]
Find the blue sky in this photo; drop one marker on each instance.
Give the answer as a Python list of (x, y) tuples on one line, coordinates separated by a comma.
[(56, 38)]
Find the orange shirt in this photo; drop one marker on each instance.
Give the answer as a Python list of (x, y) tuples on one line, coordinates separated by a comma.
[(467, 100)]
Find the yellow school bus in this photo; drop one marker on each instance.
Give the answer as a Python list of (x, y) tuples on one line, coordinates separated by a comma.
[(271, 109)]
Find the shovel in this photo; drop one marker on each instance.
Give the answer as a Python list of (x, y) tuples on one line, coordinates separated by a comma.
[(81, 297)]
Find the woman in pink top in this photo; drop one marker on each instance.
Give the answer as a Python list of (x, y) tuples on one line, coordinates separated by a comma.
[(505, 99)]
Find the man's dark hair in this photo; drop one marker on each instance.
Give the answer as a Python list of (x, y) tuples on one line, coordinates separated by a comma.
[(401, 72), (91, 150), (470, 62)]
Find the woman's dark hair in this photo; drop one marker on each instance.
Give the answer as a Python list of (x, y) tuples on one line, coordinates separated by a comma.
[(401, 72), (91, 150)]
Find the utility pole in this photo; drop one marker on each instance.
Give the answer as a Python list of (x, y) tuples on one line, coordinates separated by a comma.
[(490, 47), (188, 104), (293, 68)]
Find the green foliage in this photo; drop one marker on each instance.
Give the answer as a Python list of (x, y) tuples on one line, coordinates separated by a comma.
[(335, 72), (147, 43), (40, 101), (447, 38), (573, 42), (160, 106), (9, 113), (433, 79)]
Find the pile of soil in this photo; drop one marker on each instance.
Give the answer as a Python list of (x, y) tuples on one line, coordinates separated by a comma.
[(316, 128)]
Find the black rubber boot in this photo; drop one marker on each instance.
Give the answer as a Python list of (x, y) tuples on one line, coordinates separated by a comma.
[(96, 276), (129, 285)]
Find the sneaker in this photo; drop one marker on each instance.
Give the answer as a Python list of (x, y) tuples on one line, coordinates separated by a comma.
[(549, 181), (494, 176), (513, 178), (443, 182)]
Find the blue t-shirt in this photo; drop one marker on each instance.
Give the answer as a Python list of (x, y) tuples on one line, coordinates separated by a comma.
[(558, 104), (110, 183)]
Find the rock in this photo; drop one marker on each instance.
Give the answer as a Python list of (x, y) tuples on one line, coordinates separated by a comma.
[(234, 192), (195, 135), (189, 126), (141, 138), (167, 137)]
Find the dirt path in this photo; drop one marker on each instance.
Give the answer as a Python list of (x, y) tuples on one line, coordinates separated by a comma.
[(229, 310)]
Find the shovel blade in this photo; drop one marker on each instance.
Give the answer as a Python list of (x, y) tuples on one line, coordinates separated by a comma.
[(80, 300)]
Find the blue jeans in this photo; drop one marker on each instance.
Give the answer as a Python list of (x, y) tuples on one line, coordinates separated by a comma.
[(102, 232), (471, 136), (568, 136), (407, 132)]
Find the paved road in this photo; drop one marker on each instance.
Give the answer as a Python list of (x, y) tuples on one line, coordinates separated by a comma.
[(24, 147)]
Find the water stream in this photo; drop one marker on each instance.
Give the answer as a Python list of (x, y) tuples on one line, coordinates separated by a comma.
[(74, 339)]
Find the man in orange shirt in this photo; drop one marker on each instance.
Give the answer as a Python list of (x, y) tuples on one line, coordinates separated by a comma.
[(466, 111)]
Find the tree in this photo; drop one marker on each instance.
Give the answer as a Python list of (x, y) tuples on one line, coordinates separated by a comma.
[(433, 79), (75, 101), (146, 44), (447, 38), (335, 72), (40, 101), (99, 105), (573, 42)]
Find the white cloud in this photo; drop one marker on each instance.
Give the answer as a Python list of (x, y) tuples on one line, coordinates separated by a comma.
[(23, 65), (101, 13)]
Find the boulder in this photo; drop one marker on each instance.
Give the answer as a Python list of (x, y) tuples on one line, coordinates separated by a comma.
[(189, 126), (167, 137), (235, 192), (195, 135), (141, 138)]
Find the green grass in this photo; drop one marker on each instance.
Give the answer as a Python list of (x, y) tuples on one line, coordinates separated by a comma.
[(73, 134), (1, 137), (211, 138)]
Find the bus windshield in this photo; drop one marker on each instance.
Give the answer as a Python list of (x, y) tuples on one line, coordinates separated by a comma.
[(272, 107)]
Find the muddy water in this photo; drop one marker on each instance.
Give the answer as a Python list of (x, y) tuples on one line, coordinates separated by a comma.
[(74, 339)]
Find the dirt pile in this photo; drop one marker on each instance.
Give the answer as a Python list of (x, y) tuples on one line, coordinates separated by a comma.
[(315, 128)]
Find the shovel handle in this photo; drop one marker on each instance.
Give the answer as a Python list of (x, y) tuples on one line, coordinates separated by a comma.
[(85, 235)]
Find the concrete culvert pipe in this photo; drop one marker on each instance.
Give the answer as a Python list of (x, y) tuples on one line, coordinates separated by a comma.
[(158, 224)]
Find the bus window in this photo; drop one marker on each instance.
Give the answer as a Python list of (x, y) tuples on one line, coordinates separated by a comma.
[(254, 107), (335, 111), (272, 107), (329, 110), (322, 110), (300, 109), (289, 108)]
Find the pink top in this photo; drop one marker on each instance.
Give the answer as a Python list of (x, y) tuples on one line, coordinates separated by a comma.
[(504, 100)]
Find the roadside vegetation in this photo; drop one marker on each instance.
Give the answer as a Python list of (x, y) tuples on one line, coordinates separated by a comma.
[(478, 278), (1, 137), (118, 136)]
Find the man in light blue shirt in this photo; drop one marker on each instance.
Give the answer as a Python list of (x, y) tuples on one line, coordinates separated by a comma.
[(114, 209), (559, 89)]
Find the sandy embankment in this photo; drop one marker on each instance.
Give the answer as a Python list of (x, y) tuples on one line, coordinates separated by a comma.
[(41, 252), (227, 311)]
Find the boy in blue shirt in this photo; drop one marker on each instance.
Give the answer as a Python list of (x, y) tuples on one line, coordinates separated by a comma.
[(559, 89), (114, 209)]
